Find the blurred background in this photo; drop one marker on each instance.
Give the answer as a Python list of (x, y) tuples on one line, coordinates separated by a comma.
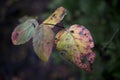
[(101, 17)]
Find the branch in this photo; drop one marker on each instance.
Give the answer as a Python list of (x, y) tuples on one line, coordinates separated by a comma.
[(111, 39)]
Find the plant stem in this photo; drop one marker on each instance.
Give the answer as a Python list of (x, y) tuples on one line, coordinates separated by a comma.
[(111, 39)]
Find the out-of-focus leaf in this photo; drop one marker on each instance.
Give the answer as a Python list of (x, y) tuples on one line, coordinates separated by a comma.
[(24, 18), (24, 32), (43, 42), (56, 17), (75, 44)]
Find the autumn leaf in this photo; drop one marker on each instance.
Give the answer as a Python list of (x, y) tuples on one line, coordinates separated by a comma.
[(43, 37), (43, 42), (24, 32), (55, 18), (76, 43)]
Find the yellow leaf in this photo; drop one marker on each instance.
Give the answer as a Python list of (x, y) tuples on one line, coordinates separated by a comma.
[(56, 17)]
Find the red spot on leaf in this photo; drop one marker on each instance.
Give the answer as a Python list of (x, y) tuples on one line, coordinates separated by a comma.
[(15, 36)]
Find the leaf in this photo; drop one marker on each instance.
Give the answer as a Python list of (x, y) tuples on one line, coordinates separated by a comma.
[(44, 36), (24, 32), (24, 18), (43, 42), (56, 17), (76, 43)]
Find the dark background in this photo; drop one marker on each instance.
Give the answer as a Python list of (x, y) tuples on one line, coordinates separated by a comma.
[(101, 17)]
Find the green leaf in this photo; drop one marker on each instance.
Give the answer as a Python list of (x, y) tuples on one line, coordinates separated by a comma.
[(43, 42), (24, 32)]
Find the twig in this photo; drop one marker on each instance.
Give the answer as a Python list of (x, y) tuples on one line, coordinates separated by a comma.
[(111, 39)]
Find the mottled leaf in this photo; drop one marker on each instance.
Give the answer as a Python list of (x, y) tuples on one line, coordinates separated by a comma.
[(24, 32), (44, 36), (43, 42), (56, 17), (76, 43)]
